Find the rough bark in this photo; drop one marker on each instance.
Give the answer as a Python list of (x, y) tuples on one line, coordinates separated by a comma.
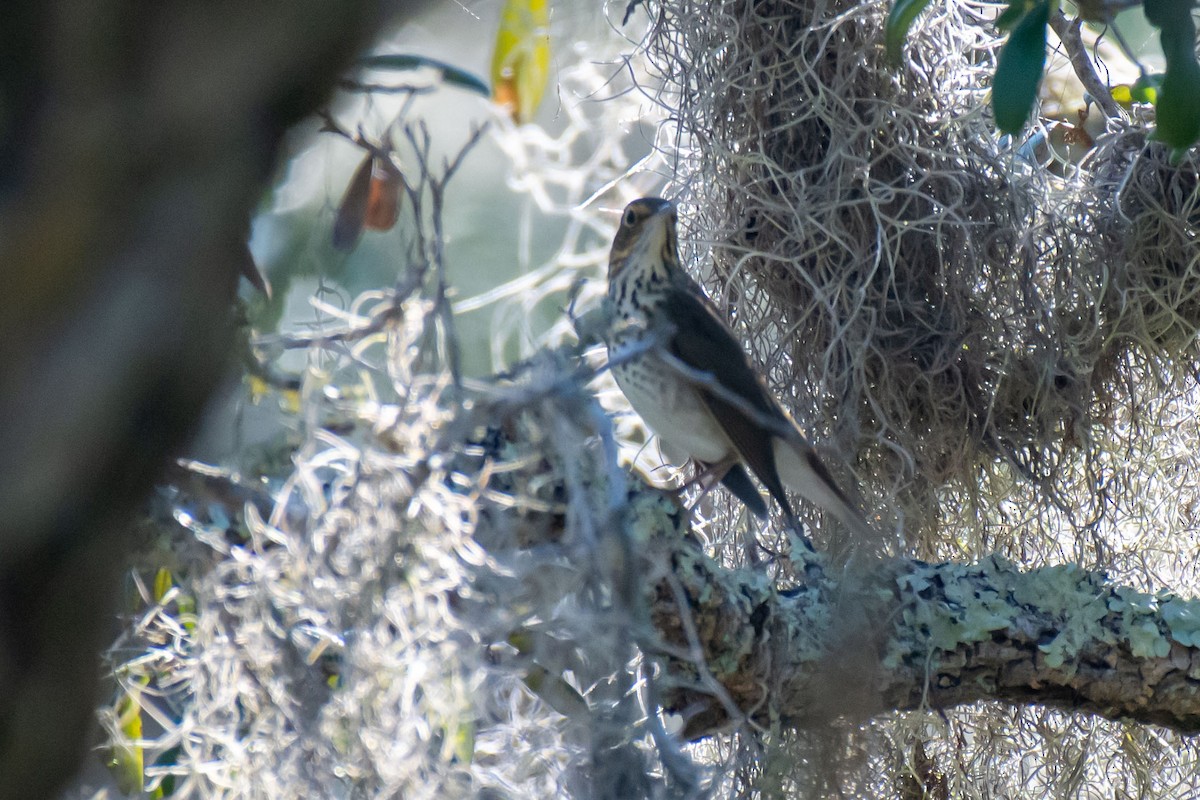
[(905, 634)]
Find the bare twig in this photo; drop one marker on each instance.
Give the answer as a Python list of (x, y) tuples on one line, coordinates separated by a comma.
[(442, 310), (1129, 52), (1068, 33), (431, 250), (330, 125), (380, 88), (376, 323)]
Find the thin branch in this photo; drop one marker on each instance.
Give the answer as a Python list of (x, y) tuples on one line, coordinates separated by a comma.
[(1081, 62), (380, 88), (379, 321), (330, 125), (442, 308), (414, 277)]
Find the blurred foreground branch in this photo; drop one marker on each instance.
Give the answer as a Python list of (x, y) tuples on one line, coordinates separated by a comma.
[(135, 143)]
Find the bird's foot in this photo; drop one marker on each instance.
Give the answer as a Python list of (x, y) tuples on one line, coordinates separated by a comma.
[(707, 476), (796, 527), (802, 553)]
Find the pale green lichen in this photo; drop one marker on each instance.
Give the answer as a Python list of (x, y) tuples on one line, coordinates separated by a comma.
[(967, 604), (965, 610), (1079, 607), (801, 554), (1139, 614), (755, 583), (650, 514), (1076, 603), (1125, 600), (741, 588), (1183, 620), (1146, 640), (727, 660)]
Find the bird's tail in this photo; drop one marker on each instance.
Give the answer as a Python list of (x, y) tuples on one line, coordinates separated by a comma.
[(802, 472), (737, 481)]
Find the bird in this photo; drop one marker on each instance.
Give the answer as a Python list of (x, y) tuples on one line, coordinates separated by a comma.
[(692, 383)]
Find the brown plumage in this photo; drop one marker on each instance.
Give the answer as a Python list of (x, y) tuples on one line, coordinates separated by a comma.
[(695, 387)]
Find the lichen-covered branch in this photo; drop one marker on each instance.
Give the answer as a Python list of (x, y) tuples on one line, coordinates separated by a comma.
[(905, 634)]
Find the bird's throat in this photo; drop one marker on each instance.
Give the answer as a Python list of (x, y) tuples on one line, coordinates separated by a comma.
[(639, 282)]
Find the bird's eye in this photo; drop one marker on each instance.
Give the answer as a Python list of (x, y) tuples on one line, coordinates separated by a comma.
[(630, 216)]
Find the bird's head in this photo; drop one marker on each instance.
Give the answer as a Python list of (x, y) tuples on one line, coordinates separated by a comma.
[(646, 237)]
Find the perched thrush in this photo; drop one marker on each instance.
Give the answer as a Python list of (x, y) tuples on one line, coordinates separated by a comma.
[(686, 375)]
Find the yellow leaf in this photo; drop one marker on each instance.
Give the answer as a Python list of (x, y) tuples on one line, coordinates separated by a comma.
[(521, 63), (1122, 94), (289, 400), (125, 759), (464, 742), (163, 582), (258, 388)]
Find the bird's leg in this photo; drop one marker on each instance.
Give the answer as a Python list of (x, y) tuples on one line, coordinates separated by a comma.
[(707, 476), (791, 523)]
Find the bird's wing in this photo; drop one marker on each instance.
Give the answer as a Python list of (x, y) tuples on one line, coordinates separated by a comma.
[(703, 342)]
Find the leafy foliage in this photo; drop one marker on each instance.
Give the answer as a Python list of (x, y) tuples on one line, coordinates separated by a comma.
[(900, 19), (1179, 98), (1175, 94), (1019, 70), (450, 74)]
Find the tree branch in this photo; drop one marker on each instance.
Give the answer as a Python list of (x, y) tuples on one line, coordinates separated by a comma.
[(904, 634), (1068, 33)]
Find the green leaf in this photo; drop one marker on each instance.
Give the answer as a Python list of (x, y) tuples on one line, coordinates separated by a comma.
[(166, 788), (1146, 88), (1164, 13), (463, 738), (450, 73), (1022, 61), (899, 20), (556, 692), (126, 759), (1011, 15), (1178, 107)]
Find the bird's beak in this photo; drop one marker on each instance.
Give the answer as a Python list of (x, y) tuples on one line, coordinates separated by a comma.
[(657, 227), (666, 210)]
